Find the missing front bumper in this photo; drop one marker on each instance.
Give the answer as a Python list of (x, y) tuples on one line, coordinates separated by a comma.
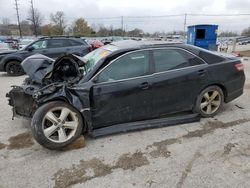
[(23, 104)]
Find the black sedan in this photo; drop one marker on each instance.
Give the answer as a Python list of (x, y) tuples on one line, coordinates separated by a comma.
[(124, 86)]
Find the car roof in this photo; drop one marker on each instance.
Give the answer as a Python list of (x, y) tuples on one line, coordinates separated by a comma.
[(128, 44)]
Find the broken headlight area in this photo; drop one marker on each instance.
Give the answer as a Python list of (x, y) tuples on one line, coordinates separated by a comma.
[(23, 103)]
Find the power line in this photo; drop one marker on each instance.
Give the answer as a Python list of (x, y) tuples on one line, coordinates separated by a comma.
[(224, 15)]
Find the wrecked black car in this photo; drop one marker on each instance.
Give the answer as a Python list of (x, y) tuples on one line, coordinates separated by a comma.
[(123, 86)]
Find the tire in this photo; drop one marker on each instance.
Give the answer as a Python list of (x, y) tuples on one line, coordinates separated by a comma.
[(209, 102), (56, 124), (14, 68)]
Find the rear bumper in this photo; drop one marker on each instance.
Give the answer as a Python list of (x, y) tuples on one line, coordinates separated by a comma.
[(233, 95), (235, 88), (22, 103)]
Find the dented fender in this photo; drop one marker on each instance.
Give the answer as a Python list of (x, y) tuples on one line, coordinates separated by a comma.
[(77, 96)]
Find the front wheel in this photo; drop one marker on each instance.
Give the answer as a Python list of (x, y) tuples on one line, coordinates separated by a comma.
[(56, 124), (14, 68), (210, 101)]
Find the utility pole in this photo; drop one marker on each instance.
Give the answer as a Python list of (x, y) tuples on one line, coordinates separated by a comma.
[(33, 17), (185, 25), (18, 19), (122, 27), (185, 22)]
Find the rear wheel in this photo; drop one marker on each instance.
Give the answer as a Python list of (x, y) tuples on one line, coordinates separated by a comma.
[(14, 68), (210, 101), (56, 124)]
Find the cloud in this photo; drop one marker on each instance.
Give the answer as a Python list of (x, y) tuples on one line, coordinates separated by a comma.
[(116, 8)]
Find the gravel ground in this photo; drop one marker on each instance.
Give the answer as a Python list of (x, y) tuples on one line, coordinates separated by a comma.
[(214, 152)]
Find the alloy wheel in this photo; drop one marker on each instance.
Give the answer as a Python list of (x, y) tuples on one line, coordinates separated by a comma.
[(210, 102), (60, 124), (15, 69)]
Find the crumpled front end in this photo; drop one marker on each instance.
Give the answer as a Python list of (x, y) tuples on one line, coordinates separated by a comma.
[(22, 102), (48, 80)]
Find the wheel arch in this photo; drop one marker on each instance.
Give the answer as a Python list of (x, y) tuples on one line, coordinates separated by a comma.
[(9, 60), (220, 85), (64, 99)]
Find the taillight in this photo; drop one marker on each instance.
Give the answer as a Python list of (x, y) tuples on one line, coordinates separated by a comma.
[(239, 66)]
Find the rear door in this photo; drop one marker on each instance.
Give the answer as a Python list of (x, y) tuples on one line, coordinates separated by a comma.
[(178, 79), (122, 91)]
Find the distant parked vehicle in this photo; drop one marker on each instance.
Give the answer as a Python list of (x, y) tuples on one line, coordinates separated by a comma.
[(13, 43), (52, 47), (106, 41), (244, 42), (4, 46), (95, 43), (24, 42)]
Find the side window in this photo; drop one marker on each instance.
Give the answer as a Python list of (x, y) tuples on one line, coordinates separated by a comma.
[(170, 59), (128, 66), (58, 43), (41, 44), (75, 43)]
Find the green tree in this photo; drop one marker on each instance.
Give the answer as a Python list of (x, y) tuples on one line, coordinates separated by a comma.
[(47, 30), (81, 28), (246, 32)]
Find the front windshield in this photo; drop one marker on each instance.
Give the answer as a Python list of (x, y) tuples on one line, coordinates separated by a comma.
[(93, 57)]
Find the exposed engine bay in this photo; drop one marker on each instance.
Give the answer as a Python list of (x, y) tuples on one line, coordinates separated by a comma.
[(44, 70)]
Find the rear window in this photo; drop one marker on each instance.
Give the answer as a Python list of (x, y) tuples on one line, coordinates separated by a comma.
[(75, 43), (170, 59), (209, 56), (58, 43)]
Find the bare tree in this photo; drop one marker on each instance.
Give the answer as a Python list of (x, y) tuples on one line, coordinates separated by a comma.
[(246, 32), (6, 21), (58, 22), (4, 27), (35, 17)]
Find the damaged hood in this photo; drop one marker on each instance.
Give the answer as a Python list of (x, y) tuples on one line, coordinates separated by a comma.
[(43, 69)]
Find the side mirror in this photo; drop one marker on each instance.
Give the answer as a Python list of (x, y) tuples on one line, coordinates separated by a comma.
[(30, 48)]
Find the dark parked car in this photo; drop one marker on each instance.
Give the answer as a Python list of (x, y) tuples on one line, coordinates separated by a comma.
[(10, 61), (124, 86)]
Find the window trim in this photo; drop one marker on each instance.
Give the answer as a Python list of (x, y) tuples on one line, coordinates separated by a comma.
[(149, 61), (49, 40), (150, 50)]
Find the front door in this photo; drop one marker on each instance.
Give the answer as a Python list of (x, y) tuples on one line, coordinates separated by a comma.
[(122, 91)]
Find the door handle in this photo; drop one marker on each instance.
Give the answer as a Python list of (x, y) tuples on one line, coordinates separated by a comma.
[(202, 72), (144, 85)]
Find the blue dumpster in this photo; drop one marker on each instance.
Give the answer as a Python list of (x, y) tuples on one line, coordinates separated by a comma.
[(203, 36)]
